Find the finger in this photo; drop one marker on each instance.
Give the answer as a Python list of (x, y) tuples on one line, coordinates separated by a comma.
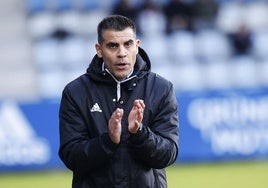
[(137, 103), (141, 102), (118, 113)]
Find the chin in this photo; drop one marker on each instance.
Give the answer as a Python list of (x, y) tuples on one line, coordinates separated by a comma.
[(121, 77)]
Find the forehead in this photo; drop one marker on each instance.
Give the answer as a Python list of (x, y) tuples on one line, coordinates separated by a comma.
[(111, 35)]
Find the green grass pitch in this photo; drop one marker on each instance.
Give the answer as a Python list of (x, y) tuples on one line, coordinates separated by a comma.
[(211, 175)]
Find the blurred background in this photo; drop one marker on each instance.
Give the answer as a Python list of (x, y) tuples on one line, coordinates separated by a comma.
[(215, 52)]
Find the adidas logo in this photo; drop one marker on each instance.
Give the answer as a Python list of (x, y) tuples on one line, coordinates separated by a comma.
[(95, 108)]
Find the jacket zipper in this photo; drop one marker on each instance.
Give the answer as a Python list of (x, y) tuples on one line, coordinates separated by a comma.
[(118, 83)]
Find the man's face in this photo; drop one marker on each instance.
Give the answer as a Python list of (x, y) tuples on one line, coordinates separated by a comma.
[(119, 50)]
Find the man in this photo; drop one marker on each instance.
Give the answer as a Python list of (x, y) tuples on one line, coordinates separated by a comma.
[(119, 121)]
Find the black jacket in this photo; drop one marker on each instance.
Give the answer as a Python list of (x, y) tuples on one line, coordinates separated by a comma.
[(85, 147)]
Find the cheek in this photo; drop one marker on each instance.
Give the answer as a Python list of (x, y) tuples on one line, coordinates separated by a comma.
[(134, 54), (137, 50), (134, 57), (108, 58), (103, 54), (107, 55)]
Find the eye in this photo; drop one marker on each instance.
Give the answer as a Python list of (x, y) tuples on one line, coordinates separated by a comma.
[(128, 44), (112, 45)]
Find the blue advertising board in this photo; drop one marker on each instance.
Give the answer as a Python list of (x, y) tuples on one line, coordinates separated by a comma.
[(215, 125), (223, 125), (29, 136)]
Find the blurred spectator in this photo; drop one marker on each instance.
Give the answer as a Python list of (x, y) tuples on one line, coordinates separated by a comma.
[(60, 34), (125, 8), (179, 16), (151, 20), (205, 12), (241, 41)]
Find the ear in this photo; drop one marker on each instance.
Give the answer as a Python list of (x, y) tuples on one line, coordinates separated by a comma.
[(98, 50), (137, 45)]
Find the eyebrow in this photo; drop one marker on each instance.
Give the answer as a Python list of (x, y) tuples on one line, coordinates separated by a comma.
[(130, 41), (109, 44)]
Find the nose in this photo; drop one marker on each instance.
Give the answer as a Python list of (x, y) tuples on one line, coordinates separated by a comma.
[(122, 51)]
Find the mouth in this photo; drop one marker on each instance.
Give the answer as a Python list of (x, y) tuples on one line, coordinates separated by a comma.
[(121, 65)]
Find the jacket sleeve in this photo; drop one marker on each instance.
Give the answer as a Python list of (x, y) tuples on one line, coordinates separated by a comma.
[(156, 145), (79, 152)]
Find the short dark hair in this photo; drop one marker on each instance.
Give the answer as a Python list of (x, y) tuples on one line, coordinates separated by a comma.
[(115, 22)]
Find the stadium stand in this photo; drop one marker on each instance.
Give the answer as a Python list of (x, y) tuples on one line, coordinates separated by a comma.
[(17, 73), (36, 33)]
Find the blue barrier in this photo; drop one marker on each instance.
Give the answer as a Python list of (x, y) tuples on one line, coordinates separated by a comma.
[(223, 125), (29, 136), (215, 125)]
